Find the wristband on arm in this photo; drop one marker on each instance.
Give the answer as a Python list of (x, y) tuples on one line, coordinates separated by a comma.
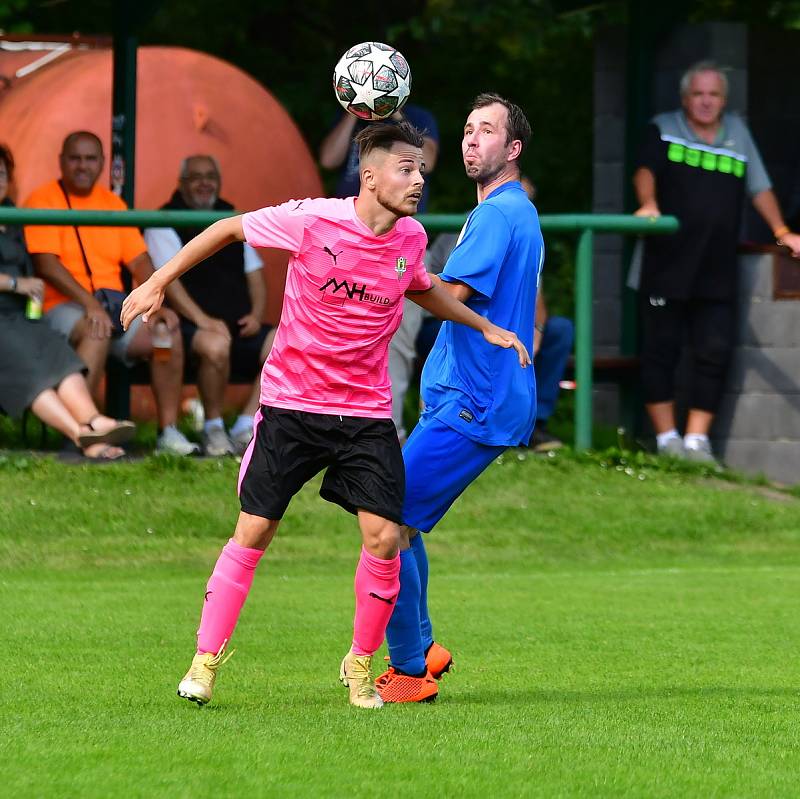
[(781, 231)]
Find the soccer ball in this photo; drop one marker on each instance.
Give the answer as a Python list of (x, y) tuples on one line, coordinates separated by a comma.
[(372, 80)]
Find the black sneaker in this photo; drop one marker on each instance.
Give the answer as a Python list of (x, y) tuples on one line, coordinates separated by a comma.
[(542, 441)]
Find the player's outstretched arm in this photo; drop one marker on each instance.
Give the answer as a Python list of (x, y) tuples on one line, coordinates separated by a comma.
[(147, 298), (440, 303)]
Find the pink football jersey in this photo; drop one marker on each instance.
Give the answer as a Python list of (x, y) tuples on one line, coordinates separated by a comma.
[(343, 301)]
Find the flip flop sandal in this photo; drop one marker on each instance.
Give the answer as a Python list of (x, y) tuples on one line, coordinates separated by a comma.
[(121, 432)]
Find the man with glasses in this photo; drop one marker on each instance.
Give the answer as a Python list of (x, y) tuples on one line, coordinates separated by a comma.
[(221, 303)]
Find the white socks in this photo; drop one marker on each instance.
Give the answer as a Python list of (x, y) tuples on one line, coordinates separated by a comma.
[(690, 440), (662, 439)]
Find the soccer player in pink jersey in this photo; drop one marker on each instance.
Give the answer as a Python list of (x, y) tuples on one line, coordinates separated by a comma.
[(326, 397)]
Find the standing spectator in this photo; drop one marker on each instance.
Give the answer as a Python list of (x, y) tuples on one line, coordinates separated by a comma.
[(82, 269), (38, 369), (221, 303), (696, 163), (339, 148)]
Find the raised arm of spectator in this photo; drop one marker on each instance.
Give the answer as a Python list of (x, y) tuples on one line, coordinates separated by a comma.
[(147, 298), (766, 203), (644, 184), (335, 145)]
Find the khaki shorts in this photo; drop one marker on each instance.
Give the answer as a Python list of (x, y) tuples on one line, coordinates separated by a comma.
[(66, 315)]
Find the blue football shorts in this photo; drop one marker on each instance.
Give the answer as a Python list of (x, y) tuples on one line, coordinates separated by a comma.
[(440, 464)]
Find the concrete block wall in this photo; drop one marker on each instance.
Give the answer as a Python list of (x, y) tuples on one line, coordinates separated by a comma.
[(758, 427)]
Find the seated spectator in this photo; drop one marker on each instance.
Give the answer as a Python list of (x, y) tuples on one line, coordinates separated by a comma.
[(82, 270), (221, 302), (552, 344), (38, 369)]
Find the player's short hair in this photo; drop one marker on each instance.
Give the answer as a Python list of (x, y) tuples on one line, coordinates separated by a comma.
[(517, 126), (703, 66), (383, 135), (185, 164), (70, 138)]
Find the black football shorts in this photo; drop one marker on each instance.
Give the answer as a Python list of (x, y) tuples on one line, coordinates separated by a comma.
[(361, 458)]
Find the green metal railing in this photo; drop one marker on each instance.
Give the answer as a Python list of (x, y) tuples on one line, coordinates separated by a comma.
[(585, 225)]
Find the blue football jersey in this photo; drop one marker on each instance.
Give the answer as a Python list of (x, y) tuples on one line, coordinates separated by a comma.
[(472, 386)]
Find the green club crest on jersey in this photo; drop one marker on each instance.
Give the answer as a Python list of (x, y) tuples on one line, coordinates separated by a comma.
[(400, 267)]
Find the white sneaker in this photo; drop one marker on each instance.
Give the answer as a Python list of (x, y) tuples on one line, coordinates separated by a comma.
[(674, 448), (700, 452), (173, 442), (217, 443)]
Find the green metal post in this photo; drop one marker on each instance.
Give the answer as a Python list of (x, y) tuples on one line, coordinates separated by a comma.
[(123, 119), (583, 341)]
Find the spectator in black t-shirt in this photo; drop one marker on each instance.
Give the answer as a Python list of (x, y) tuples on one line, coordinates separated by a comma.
[(696, 163)]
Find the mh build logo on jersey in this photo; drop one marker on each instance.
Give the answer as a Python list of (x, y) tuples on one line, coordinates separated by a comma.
[(337, 291)]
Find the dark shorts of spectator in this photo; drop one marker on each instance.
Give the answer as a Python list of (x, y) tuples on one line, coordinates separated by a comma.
[(707, 327), (245, 352)]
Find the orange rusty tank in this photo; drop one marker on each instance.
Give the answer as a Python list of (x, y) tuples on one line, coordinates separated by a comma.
[(187, 102)]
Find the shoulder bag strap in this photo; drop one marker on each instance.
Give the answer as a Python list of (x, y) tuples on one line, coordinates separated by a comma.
[(78, 234)]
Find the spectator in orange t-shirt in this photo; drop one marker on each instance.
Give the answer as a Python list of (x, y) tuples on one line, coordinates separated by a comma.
[(77, 262)]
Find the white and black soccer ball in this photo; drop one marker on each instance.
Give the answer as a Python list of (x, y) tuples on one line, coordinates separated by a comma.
[(372, 80)]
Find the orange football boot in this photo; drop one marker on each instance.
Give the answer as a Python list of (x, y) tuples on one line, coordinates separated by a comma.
[(438, 660), (396, 687)]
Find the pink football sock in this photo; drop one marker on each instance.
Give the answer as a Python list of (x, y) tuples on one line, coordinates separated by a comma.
[(226, 592), (377, 585)]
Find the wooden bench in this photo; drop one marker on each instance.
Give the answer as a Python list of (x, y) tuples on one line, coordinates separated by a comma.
[(120, 379)]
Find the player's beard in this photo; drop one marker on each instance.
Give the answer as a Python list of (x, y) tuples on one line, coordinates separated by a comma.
[(392, 207), (483, 173)]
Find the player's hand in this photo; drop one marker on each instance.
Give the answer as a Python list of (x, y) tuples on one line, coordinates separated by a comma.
[(213, 325), (506, 339), (99, 321), (792, 241), (144, 300), (248, 325), (650, 210)]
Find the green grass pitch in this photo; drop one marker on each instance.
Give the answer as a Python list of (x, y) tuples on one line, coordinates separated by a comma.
[(615, 633)]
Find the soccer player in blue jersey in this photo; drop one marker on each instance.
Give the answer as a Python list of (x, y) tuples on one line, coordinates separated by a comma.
[(477, 402)]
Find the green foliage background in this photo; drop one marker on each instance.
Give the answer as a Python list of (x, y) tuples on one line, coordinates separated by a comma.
[(537, 52)]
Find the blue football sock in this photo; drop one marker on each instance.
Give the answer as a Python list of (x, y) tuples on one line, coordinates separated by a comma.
[(421, 556), (403, 633)]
